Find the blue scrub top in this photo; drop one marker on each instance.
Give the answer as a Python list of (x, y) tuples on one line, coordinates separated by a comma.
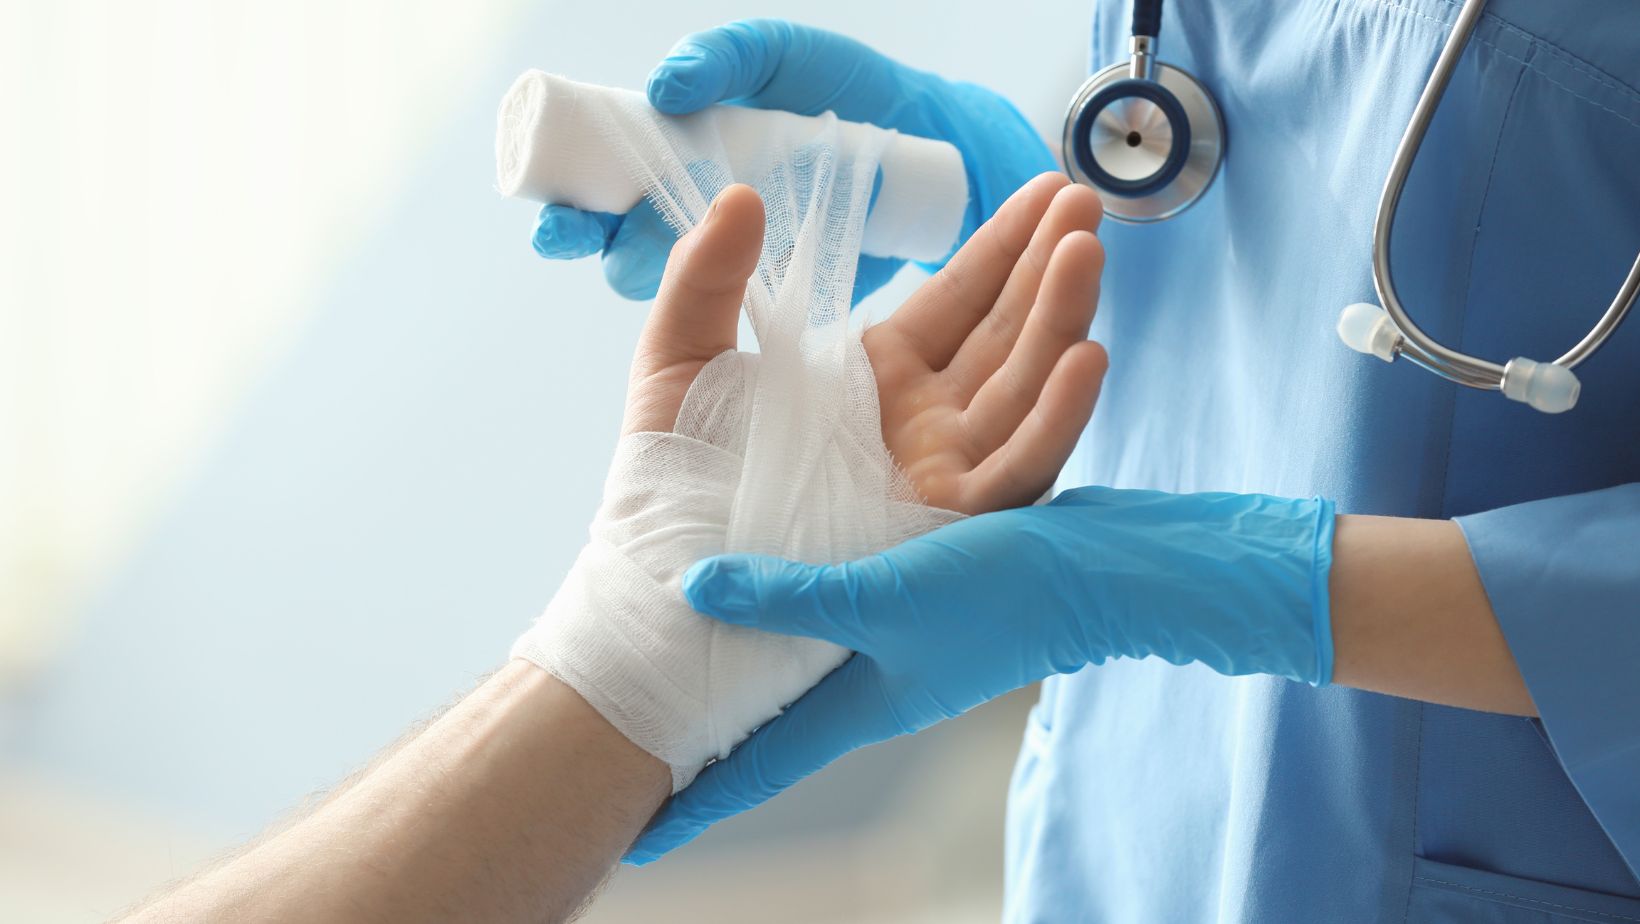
[(1152, 793)]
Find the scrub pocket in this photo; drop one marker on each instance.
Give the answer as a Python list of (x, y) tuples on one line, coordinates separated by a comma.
[(1444, 893)]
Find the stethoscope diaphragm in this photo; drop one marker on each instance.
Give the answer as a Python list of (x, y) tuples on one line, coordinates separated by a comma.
[(1146, 136)]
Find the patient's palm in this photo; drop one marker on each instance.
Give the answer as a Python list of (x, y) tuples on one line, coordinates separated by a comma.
[(984, 377)]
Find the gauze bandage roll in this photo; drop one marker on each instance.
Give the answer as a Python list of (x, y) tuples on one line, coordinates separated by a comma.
[(551, 147), (779, 452)]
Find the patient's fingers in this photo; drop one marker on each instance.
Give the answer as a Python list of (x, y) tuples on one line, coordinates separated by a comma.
[(939, 316), (697, 312), (1064, 308), (1025, 466), (1074, 208)]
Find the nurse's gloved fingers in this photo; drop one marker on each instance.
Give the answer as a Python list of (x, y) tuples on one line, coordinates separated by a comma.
[(636, 255), (566, 233), (1025, 466), (1074, 208), (845, 711), (697, 311), (787, 597), (729, 62), (1060, 318), (944, 312), (767, 63)]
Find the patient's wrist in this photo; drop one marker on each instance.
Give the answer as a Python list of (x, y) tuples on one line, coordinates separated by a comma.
[(551, 711), (618, 630)]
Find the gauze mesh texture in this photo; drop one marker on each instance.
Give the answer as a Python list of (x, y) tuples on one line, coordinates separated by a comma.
[(549, 148), (778, 452)]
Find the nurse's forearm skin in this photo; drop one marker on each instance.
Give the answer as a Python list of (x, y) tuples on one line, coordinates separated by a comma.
[(1410, 617), (512, 806)]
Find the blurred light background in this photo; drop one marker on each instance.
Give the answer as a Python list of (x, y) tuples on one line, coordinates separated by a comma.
[(296, 433)]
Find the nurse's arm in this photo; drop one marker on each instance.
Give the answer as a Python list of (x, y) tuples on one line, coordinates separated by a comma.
[(1410, 617)]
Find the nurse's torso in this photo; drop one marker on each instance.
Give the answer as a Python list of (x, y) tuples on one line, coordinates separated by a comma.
[(1151, 793)]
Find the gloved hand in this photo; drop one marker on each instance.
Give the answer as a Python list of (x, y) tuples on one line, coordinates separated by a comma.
[(975, 609), (774, 64)]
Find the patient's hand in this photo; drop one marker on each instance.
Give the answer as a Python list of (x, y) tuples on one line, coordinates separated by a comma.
[(985, 378)]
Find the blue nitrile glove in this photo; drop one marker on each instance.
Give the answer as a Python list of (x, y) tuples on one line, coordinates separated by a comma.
[(986, 605), (774, 64)]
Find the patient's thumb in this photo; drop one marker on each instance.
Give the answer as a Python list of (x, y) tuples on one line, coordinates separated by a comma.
[(697, 310)]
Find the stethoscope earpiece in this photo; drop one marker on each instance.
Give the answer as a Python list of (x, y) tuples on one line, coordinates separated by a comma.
[(1390, 332), (1548, 387)]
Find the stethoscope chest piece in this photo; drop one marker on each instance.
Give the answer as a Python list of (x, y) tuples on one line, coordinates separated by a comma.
[(1149, 145)]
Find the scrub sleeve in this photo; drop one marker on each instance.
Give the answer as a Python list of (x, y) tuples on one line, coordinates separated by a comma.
[(1563, 578)]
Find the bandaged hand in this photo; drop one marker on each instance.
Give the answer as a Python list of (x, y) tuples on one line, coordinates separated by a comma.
[(985, 379)]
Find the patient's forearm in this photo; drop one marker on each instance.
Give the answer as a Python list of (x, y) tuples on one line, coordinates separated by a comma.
[(513, 806)]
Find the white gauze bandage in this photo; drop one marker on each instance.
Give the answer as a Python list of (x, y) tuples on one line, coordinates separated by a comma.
[(779, 452)]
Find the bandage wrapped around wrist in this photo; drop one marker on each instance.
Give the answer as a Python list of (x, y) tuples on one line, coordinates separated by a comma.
[(779, 452)]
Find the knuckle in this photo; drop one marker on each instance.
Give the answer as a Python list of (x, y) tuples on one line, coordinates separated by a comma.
[(1016, 385)]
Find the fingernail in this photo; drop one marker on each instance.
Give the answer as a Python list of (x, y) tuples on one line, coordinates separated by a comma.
[(711, 209), (721, 588)]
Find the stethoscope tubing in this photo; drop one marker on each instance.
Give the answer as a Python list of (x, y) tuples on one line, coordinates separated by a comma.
[(1394, 332), (1414, 343)]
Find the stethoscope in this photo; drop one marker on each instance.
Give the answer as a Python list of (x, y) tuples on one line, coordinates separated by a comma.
[(1148, 137)]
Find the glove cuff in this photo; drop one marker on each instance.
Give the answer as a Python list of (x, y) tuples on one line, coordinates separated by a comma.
[(1326, 520)]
